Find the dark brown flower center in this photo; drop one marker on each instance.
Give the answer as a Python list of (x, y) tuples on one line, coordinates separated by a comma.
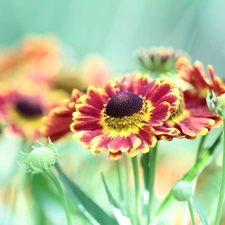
[(124, 104), (29, 108)]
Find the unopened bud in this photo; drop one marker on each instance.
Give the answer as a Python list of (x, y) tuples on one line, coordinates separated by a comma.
[(182, 191), (40, 158)]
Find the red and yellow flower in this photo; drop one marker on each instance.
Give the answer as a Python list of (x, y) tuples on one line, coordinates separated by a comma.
[(124, 116), (57, 122), (192, 118)]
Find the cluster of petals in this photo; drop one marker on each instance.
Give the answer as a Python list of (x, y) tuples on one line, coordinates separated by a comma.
[(57, 123), (196, 76), (194, 117)]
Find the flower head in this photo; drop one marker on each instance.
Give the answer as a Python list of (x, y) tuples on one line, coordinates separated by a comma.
[(161, 60), (123, 116), (23, 108), (192, 117), (36, 58), (40, 158)]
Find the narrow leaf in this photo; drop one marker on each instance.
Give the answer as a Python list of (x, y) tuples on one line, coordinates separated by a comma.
[(93, 212), (200, 213), (116, 209)]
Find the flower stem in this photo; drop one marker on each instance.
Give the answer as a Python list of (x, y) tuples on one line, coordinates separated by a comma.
[(120, 181), (222, 184), (191, 212), (151, 180), (127, 187), (200, 146), (137, 189), (58, 185)]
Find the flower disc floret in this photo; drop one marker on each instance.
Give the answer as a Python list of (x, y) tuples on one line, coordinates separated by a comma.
[(126, 113), (124, 104)]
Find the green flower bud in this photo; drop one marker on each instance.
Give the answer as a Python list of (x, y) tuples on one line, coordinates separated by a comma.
[(182, 191), (216, 104), (40, 158)]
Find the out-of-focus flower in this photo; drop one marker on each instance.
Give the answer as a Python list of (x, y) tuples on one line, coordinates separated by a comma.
[(23, 105), (42, 57), (34, 47), (123, 116), (95, 70), (36, 58), (196, 76), (8, 60), (161, 60), (69, 79), (192, 117), (57, 123)]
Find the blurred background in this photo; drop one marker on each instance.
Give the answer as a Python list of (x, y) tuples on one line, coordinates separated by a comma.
[(115, 29)]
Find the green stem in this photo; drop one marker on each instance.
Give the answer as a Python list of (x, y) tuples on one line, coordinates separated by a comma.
[(120, 181), (58, 185), (137, 189), (127, 187), (222, 184), (193, 172), (191, 212), (200, 146), (151, 180)]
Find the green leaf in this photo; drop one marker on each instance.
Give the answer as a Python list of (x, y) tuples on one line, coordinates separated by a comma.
[(198, 167), (116, 209), (200, 213), (87, 206), (46, 198)]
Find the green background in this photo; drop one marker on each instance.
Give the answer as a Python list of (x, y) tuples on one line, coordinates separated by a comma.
[(115, 29)]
